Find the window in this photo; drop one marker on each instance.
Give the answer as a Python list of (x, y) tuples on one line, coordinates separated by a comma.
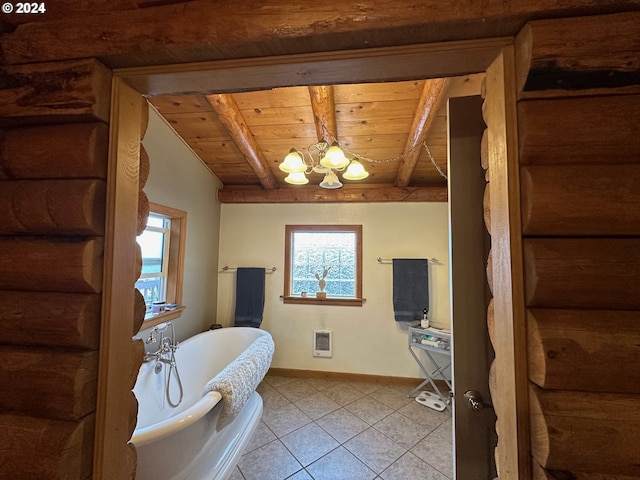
[(162, 245), (324, 258)]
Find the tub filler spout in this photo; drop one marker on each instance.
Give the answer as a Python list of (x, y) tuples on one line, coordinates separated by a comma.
[(204, 436)]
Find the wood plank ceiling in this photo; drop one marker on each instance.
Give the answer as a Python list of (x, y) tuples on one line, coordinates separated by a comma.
[(243, 137)]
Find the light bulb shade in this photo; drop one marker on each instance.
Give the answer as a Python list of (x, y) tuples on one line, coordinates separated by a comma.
[(296, 178), (330, 181), (334, 157), (355, 171), (293, 162)]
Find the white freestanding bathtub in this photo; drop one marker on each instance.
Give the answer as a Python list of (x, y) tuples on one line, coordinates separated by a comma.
[(185, 442)]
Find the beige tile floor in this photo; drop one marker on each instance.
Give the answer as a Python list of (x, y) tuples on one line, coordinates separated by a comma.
[(314, 429)]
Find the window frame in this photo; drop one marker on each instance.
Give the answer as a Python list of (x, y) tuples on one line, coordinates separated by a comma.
[(355, 301), (174, 262)]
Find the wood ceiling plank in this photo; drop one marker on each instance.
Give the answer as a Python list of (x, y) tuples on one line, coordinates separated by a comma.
[(380, 127), (378, 92), (221, 152), (274, 98), (368, 111), (297, 115), (169, 104), (266, 132), (198, 126)]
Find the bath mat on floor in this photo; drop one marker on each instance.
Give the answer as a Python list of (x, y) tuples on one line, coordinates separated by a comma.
[(431, 400)]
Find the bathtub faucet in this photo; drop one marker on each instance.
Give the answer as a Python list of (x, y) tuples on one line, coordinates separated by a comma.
[(167, 344)]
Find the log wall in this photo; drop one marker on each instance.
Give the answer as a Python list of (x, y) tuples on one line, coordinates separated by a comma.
[(53, 205), (579, 150), (53, 102)]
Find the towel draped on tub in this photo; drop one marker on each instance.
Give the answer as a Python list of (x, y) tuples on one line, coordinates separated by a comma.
[(238, 380)]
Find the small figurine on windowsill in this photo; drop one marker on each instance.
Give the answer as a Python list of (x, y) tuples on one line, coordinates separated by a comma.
[(322, 283)]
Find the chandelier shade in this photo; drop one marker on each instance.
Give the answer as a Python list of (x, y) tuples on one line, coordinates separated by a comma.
[(296, 178), (331, 181), (334, 158), (355, 171), (293, 162)]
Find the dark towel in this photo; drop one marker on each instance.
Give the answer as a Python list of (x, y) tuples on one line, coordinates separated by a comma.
[(249, 297), (410, 288)]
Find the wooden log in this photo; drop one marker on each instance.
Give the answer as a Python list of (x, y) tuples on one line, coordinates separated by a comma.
[(51, 264), (42, 207), (47, 382), (590, 350), (486, 207), (540, 473), (348, 193), (50, 319), (144, 117), (494, 387), (484, 149), (139, 311), (491, 323), (583, 431), (432, 97), (324, 112), (41, 448), (143, 212), (557, 58), (43, 152), (585, 200), (59, 92), (589, 130), (595, 273), (250, 29), (490, 271), (145, 167), (132, 405), (231, 117), (132, 461)]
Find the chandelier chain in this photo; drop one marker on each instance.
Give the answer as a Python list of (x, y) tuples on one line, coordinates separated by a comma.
[(386, 160)]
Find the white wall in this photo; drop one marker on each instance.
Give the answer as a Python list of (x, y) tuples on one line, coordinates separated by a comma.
[(367, 340), (178, 179)]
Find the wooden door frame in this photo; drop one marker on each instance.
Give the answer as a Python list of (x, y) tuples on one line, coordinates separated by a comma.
[(357, 66)]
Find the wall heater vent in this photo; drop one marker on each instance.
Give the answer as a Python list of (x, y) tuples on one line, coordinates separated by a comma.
[(322, 343)]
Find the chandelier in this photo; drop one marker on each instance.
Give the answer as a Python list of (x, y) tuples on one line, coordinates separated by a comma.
[(328, 159), (324, 159)]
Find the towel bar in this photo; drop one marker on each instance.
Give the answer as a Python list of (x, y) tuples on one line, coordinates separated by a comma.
[(228, 269), (390, 261)]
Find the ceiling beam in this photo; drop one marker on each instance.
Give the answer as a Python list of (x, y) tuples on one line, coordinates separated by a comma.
[(230, 116), (348, 193), (324, 112), (433, 94)]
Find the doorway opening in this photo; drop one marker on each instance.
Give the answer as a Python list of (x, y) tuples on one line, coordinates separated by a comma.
[(223, 77)]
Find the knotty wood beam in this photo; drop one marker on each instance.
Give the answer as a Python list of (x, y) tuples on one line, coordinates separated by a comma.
[(230, 116), (563, 355), (324, 112), (61, 92), (568, 426), (590, 273), (348, 193), (252, 28), (432, 96), (553, 62)]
